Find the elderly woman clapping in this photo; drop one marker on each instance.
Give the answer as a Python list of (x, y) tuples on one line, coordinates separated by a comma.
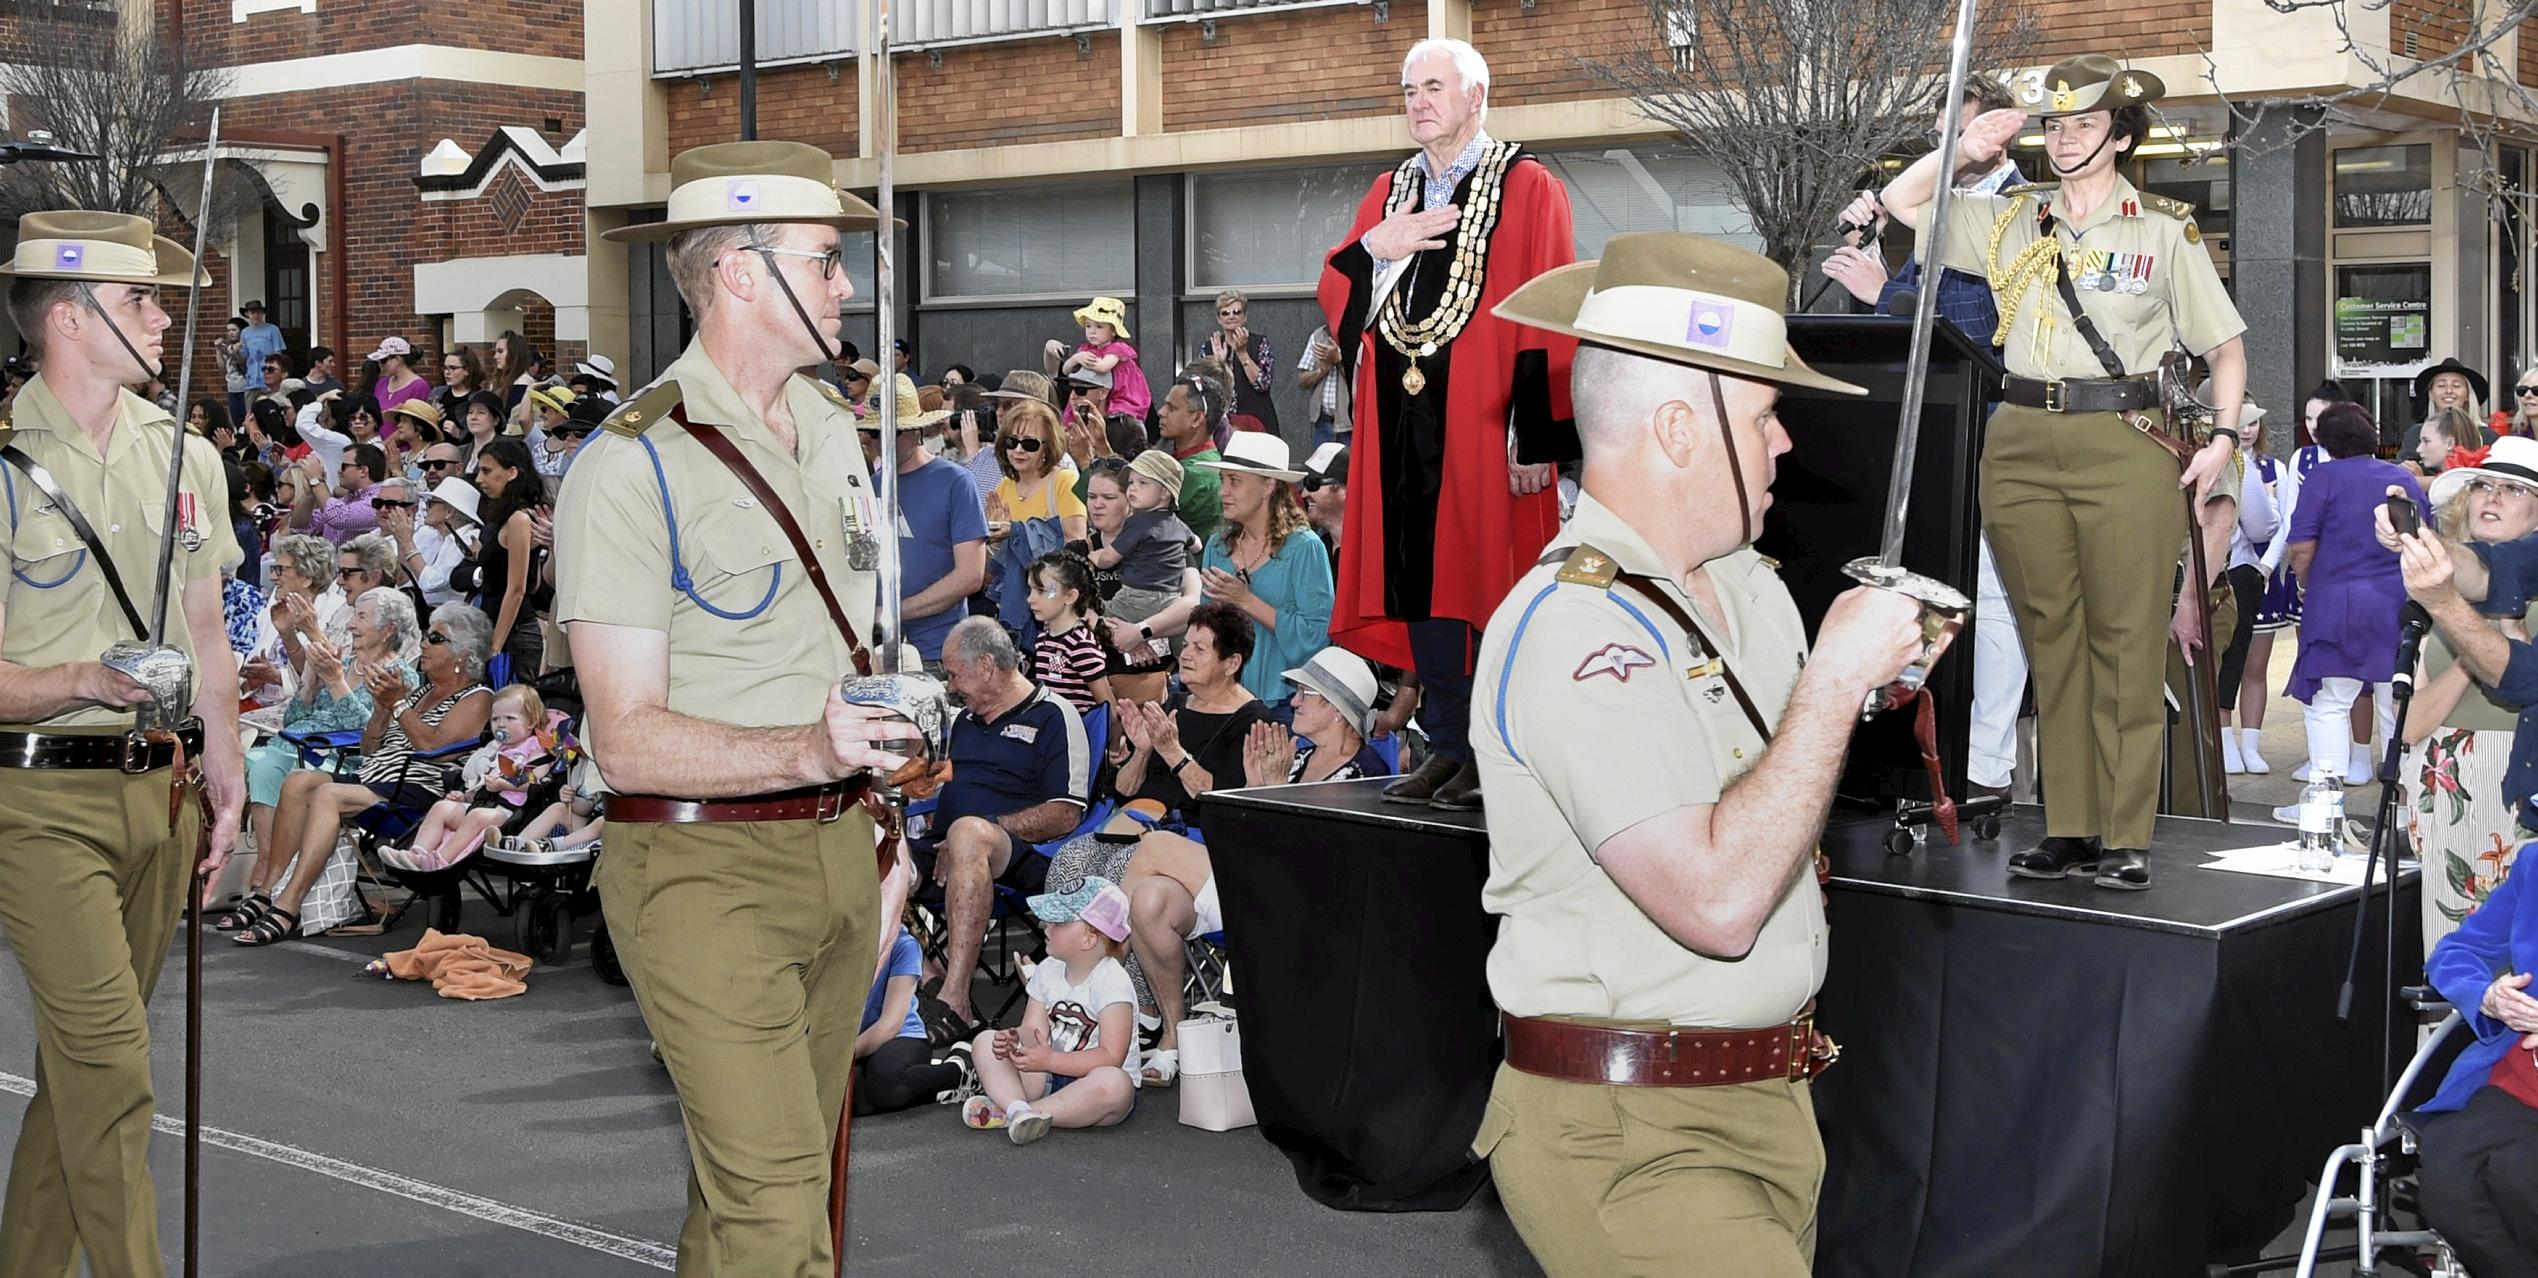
[(333, 696), (450, 707)]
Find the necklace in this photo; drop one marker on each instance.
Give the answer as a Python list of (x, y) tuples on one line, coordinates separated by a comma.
[(1461, 296)]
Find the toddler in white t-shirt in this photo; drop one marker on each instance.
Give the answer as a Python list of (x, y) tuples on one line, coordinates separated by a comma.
[(1073, 1061)]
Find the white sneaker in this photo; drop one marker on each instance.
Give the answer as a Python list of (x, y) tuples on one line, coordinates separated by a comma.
[(2229, 752), (2288, 814), (2360, 771), (2301, 773), (2248, 754)]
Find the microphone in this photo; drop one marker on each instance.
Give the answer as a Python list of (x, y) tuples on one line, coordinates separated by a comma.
[(2412, 625)]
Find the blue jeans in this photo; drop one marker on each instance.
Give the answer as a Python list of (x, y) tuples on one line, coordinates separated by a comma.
[(1324, 433)]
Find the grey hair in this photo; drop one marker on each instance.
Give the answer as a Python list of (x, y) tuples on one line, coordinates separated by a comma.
[(983, 638), (470, 635), (394, 611), (377, 553), (1469, 66), (311, 557), (404, 487), (692, 255)]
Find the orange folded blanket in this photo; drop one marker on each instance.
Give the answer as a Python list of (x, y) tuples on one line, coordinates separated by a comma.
[(461, 966)]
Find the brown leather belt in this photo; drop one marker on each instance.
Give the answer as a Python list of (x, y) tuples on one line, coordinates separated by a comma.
[(823, 803), (2083, 394), (127, 752), (1590, 1052)]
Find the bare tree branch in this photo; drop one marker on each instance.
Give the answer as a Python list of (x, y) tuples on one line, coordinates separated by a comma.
[(127, 97), (1797, 100)]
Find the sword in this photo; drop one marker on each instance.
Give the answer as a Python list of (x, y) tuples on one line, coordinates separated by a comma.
[(1943, 607)]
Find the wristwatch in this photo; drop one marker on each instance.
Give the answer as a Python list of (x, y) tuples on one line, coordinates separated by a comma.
[(1145, 632)]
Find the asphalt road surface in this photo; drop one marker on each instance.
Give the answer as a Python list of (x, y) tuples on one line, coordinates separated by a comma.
[(363, 1127)]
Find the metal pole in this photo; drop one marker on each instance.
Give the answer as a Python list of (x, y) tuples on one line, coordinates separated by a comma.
[(184, 388), (194, 884), (885, 302), (748, 70), (1925, 311)]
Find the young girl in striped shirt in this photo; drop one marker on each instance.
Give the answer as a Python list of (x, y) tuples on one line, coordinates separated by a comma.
[(1069, 659)]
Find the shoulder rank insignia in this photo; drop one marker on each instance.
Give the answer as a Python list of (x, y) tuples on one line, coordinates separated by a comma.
[(1587, 566), (2030, 188), (1768, 561), (2177, 209), (638, 415)]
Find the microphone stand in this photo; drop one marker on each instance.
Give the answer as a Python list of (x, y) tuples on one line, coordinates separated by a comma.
[(2401, 690)]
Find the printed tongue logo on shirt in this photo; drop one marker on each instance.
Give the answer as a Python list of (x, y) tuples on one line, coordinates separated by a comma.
[(1071, 1028)]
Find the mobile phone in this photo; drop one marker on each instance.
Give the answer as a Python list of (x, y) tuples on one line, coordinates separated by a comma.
[(2402, 516)]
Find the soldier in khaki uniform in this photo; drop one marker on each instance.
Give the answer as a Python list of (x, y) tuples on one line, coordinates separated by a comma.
[(1659, 753), (739, 884), (2082, 507), (95, 853)]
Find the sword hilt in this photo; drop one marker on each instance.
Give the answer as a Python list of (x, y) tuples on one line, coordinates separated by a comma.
[(1944, 609)]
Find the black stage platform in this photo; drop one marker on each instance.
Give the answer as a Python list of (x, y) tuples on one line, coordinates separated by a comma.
[(2038, 1078)]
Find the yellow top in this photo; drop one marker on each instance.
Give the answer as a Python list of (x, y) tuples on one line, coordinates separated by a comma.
[(742, 655), (1055, 500), (57, 606), (2136, 260), (1592, 713)]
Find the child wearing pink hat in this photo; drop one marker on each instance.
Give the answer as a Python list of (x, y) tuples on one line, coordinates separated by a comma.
[(1073, 1061)]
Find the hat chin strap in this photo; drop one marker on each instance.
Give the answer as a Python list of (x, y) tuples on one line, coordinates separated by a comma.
[(88, 293), (828, 354), (1735, 468), (2086, 160)]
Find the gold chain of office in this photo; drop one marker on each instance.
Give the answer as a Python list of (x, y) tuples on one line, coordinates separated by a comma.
[(1462, 293)]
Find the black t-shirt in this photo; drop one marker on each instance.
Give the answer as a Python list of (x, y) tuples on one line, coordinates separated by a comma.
[(1216, 742)]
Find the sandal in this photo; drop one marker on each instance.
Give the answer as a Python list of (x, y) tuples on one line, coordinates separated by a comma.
[(980, 1114), (277, 924), (1162, 1067), (244, 914)]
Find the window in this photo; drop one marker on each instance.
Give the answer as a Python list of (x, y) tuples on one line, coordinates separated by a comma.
[(856, 248), (2383, 186), (1651, 186), (1270, 230), (2383, 319), (1044, 242)]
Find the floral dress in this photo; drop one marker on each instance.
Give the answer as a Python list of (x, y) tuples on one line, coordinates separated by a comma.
[(2462, 829)]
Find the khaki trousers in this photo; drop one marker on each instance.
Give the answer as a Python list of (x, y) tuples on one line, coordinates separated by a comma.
[(751, 949), (1657, 1180), (92, 883), (2086, 522)]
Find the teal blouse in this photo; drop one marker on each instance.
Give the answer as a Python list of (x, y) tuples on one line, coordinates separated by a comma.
[(1296, 582)]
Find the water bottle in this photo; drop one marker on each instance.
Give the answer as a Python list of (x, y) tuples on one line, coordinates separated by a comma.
[(2321, 821)]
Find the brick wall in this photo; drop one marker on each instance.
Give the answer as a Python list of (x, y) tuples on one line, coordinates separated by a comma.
[(795, 104), (2437, 26), (550, 28), (30, 27), (1313, 64), (2529, 52), (1533, 54), (1012, 91), (2154, 29)]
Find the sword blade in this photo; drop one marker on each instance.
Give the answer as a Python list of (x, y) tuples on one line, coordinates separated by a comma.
[(1925, 311), (885, 300), (184, 389)]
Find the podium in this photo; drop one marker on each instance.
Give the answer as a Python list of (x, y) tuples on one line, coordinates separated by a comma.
[(1829, 508)]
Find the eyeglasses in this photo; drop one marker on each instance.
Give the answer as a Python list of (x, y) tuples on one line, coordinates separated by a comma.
[(2531, 389), (1231, 312), (390, 503), (829, 261), (435, 637), (439, 463), (348, 573), (2497, 488), (1022, 443)]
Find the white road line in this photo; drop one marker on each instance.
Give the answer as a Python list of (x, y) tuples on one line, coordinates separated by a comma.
[(642, 1251)]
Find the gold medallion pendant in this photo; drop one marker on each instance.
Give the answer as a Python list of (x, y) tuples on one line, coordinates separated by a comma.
[(1412, 380)]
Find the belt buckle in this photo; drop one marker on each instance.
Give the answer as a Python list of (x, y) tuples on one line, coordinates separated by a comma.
[(830, 805), (136, 754), (2053, 395)]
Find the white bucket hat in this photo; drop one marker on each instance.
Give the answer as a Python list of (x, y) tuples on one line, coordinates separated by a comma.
[(1345, 680), (459, 495)]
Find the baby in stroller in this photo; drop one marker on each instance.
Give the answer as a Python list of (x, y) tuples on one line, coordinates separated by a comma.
[(516, 773)]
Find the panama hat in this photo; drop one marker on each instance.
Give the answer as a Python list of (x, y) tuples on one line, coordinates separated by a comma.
[(99, 248), (1023, 383), (557, 399), (1345, 680), (458, 495), (742, 183), (2095, 82), (1252, 452), (1105, 310), (912, 410), (598, 368), (421, 410), (1680, 298), (2512, 457)]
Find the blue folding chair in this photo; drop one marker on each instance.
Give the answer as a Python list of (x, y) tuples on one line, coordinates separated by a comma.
[(1204, 981), (1388, 748), (384, 825), (1010, 906)]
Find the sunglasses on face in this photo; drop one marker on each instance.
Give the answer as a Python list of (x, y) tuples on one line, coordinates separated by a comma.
[(349, 573), (1232, 312), (390, 503), (1022, 443), (1316, 483), (435, 637), (432, 463), (2528, 390)]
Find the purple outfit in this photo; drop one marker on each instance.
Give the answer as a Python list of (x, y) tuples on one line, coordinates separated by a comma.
[(2349, 615)]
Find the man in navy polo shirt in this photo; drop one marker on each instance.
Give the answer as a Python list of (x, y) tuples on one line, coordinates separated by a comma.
[(1021, 774)]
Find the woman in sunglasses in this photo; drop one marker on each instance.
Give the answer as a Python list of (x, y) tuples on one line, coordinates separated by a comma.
[(1033, 486), (2518, 415)]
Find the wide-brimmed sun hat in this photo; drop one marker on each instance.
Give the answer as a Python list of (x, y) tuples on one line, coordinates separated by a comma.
[(99, 248), (743, 183), (1252, 452)]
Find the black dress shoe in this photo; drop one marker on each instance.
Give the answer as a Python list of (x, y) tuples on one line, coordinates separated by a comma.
[(1462, 793), (2055, 858), (1422, 785), (2124, 871)]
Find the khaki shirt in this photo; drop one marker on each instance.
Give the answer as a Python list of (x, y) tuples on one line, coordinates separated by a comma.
[(750, 642), (1591, 715), (2129, 236), (58, 607)]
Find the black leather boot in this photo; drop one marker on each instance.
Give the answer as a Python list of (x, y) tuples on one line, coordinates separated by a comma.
[(1422, 785), (2123, 870), (2055, 858)]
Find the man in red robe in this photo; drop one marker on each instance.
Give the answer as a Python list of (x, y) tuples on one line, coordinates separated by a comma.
[(1444, 517)]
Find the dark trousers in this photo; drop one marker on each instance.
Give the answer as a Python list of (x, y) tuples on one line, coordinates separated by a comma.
[(2480, 1183), (2247, 582), (1442, 649), (901, 1074)]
